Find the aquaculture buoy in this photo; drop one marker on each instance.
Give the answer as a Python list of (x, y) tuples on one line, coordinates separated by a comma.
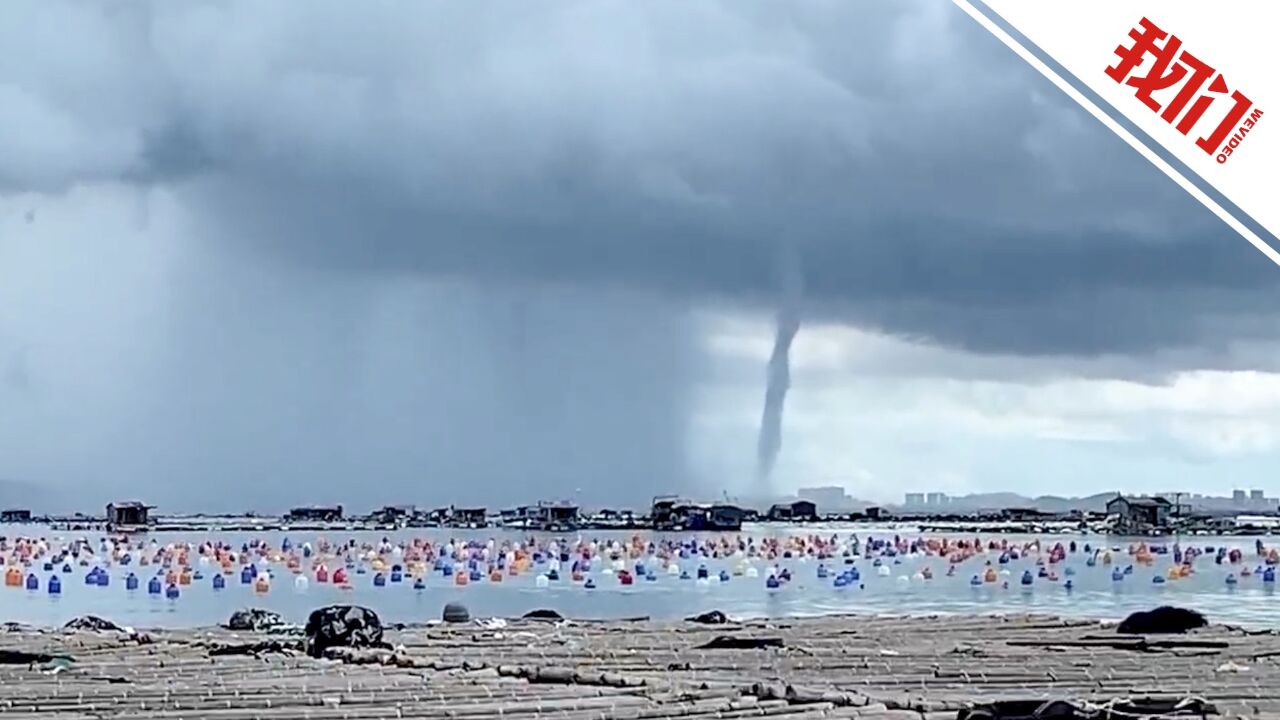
[(33, 582), (172, 592), (154, 587), (772, 583), (1231, 579), (724, 576), (379, 580), (54, 585), (131, 582), (460, 578), (339, 576), (219, 582), (103, 578), (246, 575), (1069, 585), (419, 584), (590, 584), (1158, 580), (975, 581)]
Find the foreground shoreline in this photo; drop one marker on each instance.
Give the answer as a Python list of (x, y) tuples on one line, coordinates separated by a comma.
[(830, 666)]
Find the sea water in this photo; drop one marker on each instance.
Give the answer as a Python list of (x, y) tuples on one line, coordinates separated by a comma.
[(902, 590)]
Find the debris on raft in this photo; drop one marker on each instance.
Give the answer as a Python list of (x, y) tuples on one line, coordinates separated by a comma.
[(543, 615), (342, 626), (1164, 620), (93, 623), (1120, 707), (255, 620), (725, 642), (456, 613), (714, 617), (22, 657), (282, 647)]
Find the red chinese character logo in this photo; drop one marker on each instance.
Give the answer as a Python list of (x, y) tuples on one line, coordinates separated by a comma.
[(1168, 68)]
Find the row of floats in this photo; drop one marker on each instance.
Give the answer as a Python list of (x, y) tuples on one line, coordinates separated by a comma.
[(468, 563)]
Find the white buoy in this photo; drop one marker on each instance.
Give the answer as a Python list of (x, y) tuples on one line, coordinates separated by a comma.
[(542, 581), (300, 582), (884, 571), (673, 569), (752, 571)]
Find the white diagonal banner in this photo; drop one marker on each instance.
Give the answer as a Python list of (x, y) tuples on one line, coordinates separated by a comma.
[(1196, 79)]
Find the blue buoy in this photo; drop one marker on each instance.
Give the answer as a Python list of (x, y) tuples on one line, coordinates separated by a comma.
[(379, 580), (724, 576), (475, 576), (246, 575), (590, 584), (1069, 585), (54, 585), (1269, 575), (131, 582), (48, 567), (92, 577), (103, 579), (651, 576), (772, 583), (33, 582), (1027, 578), (1068, 571), (419, 584), (219, 582), (975, 581), (396, 576), (172, 592), (841, 581), (1117, 575), (154, 586), (1231, 579), (553, 575), (822, 572), (66, 567), (702, 572), (854, 575), (1157, 580), (197, 575), (684, 574)]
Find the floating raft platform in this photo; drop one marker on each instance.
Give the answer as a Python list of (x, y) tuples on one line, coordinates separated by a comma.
[(922, 668)]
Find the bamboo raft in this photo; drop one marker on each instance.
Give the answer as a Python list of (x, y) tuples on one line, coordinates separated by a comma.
[(920, 668)]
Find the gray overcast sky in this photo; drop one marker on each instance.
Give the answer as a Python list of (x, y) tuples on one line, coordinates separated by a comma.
[(261, 253)]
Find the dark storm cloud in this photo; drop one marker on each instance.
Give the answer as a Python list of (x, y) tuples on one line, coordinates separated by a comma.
[(935, 185)]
